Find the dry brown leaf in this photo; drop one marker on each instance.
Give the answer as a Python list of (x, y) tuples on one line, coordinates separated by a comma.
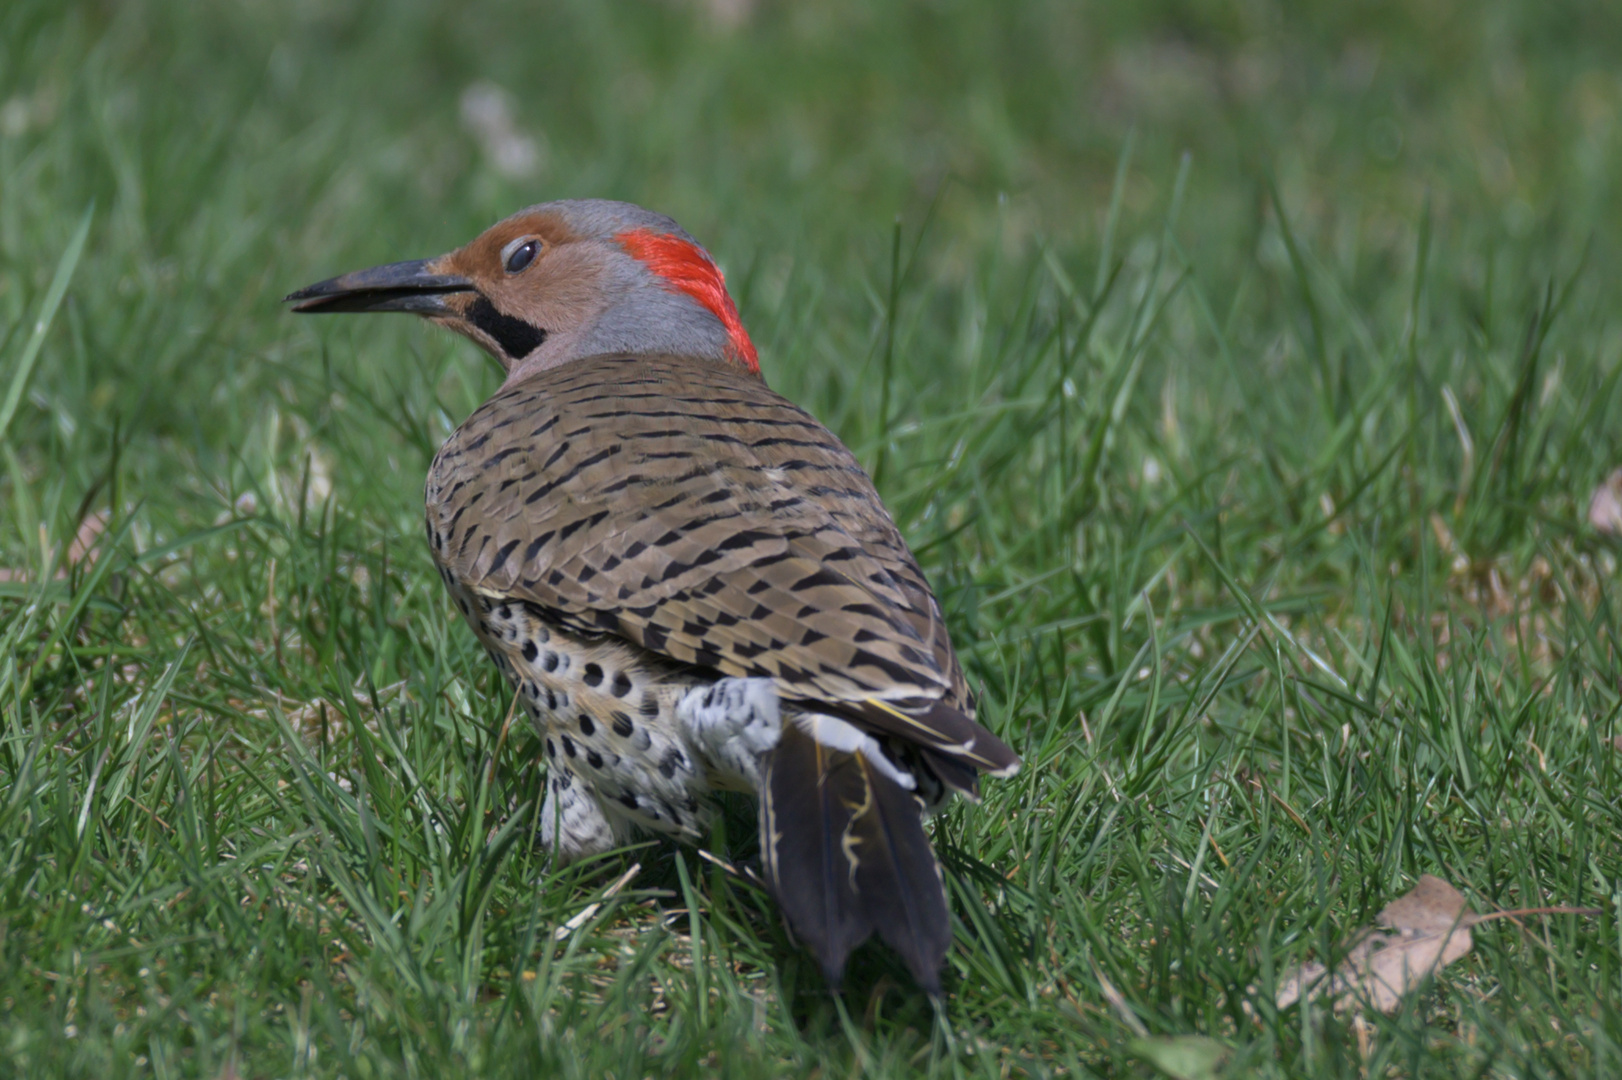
[(1427, 929), (81, 548), (1433, 906), (1605, 505)]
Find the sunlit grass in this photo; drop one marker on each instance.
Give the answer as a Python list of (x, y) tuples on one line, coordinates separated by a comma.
[(1253, 482)]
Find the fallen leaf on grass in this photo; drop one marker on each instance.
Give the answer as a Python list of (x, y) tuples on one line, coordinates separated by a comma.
[(1427, 929)]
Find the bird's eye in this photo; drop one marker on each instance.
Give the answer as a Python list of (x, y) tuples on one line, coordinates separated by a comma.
[(522, 255)]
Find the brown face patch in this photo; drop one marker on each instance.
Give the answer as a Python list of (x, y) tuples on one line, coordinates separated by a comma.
[(481, 259), (512, 314)]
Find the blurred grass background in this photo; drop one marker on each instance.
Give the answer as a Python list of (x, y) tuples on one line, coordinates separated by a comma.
[(1248, 369)]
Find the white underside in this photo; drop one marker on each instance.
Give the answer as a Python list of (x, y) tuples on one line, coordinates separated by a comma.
[(837, 734)]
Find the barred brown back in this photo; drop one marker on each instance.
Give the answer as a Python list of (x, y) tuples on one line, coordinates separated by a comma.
[(684, 506)]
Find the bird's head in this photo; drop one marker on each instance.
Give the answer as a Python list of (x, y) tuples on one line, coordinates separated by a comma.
[(558, 282)]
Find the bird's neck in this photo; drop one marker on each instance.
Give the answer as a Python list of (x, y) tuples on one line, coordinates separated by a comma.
[(667, 324)]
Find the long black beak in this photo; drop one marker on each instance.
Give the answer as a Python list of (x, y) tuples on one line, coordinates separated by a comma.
[(402, 286)]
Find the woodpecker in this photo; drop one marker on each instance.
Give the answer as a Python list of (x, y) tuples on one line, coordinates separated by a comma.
[(691, 584)]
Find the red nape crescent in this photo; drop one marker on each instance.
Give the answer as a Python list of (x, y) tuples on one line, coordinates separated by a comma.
[(687, 269)]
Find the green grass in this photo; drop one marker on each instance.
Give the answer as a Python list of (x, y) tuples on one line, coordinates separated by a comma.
[(1238, 372)]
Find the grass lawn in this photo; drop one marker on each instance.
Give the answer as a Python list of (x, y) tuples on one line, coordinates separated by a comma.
[(1240, 374)]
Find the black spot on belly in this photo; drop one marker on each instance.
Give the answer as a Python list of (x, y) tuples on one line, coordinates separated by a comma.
[(568, 745), (650, 705), (674, 759), (628, 799), (587, 728), (530, 651), (593, 675), (594, 759), (551, 661), (622, 684), (551, 750), (622, 725), (551, 700)]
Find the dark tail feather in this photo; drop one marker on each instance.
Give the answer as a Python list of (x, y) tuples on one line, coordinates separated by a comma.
[(941, 729), (961, 778), (803, 813), (902, 886), (846, 854)]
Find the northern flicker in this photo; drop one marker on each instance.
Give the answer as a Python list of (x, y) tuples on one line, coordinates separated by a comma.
[(689, 581)]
